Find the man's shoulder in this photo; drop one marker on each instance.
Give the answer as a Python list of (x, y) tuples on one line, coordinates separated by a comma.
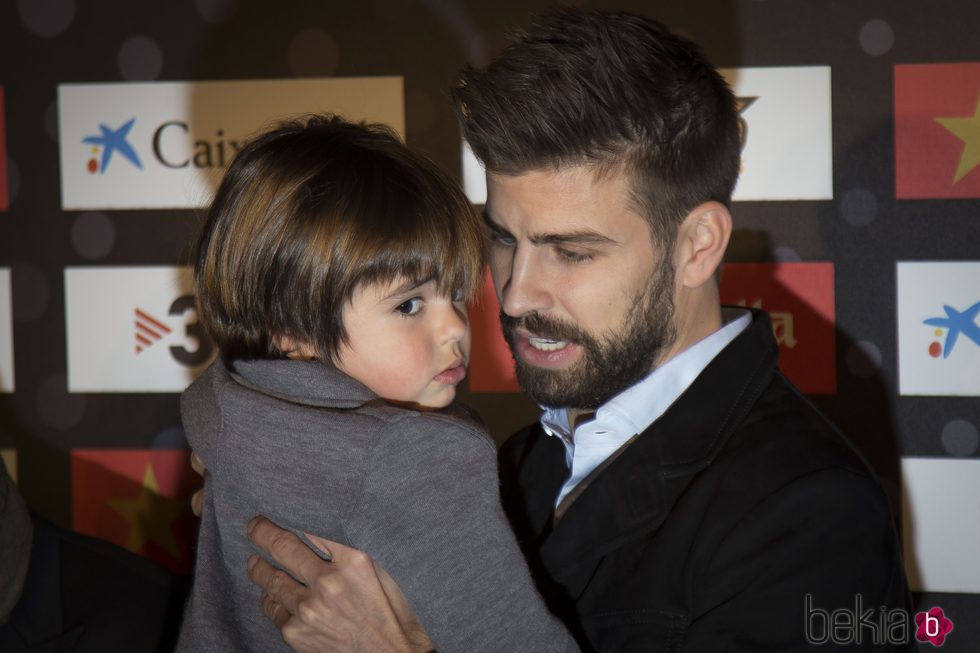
[(784, 441), (523, 437), (785, 426), (519, 445)]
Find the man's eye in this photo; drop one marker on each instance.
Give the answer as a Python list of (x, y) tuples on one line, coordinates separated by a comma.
[(573, 257), (500, 238), (410, 307)]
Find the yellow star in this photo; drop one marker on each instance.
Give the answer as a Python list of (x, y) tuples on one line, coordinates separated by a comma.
[(150, 516), (742, 104), (967, 129)]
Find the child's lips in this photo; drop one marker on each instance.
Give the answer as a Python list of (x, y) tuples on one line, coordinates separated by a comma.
[(452, 374)]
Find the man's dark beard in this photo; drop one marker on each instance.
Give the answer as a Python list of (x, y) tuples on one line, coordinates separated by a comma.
[(608, 367)]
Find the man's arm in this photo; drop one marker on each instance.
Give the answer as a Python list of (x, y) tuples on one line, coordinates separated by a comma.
[(348, 604)]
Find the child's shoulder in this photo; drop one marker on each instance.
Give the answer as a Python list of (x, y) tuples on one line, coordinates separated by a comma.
[(438, 427)]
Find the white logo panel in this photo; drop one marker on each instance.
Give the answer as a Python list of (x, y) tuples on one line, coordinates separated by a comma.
[(133, 329), (939, 328), (785, 116), (941, 524), (474, 176), (6, 333), (166, 144)]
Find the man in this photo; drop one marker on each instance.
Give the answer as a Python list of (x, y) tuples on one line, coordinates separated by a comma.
[(679, 493)]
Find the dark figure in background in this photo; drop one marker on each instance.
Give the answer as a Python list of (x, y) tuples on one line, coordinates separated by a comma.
[(61, 592), (679, 494)]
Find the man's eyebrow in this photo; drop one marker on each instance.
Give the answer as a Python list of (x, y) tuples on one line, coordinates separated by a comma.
[(490, 222), (577, 237)]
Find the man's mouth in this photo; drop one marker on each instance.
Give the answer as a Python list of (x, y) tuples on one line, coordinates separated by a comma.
[(541, 351), (547, 344)]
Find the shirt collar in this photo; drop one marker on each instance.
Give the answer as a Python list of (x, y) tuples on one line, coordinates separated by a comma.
[(636, 408)]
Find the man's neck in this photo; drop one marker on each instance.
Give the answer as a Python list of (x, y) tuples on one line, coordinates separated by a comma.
[(696, 317), (694, 326)]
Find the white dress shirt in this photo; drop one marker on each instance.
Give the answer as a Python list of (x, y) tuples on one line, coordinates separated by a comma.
[(636, 408)]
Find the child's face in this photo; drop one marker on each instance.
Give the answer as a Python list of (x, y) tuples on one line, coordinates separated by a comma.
[(407, 343)]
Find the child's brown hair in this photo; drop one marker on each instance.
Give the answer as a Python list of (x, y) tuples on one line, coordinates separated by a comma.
[(309, 211)]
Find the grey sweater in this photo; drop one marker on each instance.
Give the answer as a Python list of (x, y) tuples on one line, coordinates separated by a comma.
[(315, 451)]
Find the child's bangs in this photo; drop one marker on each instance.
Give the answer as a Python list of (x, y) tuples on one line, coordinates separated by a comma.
[(416, 224), (422, 248)]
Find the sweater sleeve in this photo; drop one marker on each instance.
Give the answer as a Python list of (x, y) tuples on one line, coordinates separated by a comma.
[(429, 512)]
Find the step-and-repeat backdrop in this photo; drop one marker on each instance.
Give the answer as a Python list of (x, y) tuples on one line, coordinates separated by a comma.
[(857, 217)]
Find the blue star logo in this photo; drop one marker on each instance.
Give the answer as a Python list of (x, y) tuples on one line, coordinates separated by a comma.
[(114, 140), (956, 323)]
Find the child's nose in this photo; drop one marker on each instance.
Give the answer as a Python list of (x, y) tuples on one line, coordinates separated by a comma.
[(455, 323)]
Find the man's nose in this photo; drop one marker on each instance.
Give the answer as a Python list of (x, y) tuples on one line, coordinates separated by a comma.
[(523, 285)]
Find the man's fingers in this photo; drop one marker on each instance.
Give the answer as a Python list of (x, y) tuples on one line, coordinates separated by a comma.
[(275, 611), (287, 550), (345, 605), (197, 503), (197, 464), (197, 499), (279, 586)]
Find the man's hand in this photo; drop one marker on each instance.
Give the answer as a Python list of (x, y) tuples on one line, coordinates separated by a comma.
[(348, 604), (197, 499)]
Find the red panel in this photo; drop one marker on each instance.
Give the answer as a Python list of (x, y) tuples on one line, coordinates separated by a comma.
[(491, 365), (927, 154), (138, 499), (799, 298)]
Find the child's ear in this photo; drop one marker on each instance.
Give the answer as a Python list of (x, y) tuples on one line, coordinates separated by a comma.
[(294, 349)]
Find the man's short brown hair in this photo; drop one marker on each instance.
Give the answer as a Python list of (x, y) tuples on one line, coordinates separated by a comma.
[(613, 91), (309, 211)]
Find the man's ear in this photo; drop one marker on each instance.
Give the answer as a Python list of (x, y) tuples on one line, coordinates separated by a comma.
[(701, 242)]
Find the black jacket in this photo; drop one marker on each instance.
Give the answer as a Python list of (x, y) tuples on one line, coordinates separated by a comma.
[(713, 528)]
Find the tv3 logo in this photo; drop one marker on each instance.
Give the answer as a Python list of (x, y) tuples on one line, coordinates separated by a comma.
[(150, 330)]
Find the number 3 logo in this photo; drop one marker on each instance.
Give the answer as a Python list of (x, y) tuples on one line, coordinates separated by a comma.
[(194, 331)]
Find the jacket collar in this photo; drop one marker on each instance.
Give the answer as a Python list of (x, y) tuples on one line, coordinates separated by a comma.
[(636, 492), (303, 382)]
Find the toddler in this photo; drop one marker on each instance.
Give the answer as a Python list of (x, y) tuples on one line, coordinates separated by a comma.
[(333, 274)]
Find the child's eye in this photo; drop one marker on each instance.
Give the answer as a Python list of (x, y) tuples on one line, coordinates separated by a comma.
[(410, 307)]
